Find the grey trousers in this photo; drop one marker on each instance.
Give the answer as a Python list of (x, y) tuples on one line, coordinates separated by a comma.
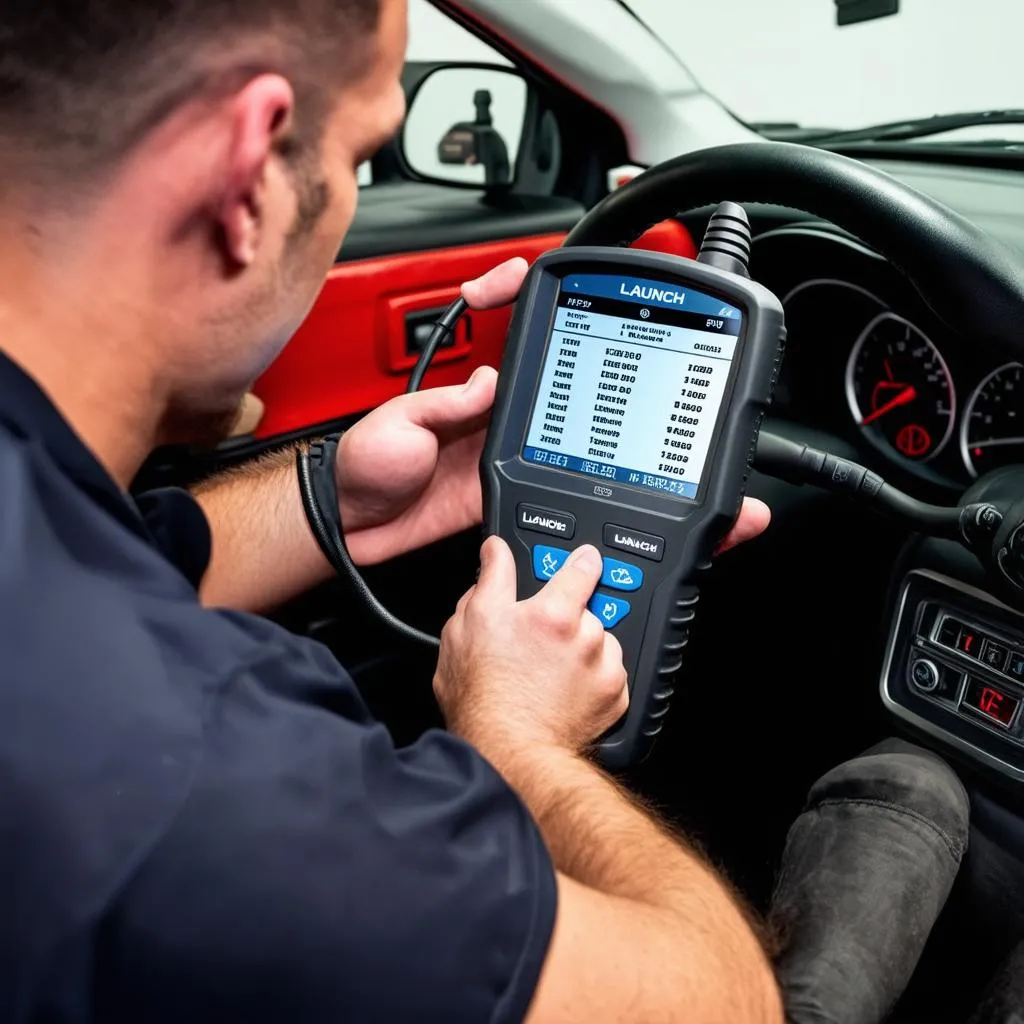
[(867, 869)]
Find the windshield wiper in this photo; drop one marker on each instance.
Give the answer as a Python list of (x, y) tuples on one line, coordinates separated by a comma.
[(919, 128)]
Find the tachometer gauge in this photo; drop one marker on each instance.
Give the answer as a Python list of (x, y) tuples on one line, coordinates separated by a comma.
[(899, 389), (992, 434)]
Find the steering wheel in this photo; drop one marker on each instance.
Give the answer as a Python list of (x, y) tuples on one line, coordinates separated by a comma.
[(971, 281)]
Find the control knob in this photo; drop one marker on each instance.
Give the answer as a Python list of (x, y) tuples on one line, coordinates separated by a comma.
[(924, 675)]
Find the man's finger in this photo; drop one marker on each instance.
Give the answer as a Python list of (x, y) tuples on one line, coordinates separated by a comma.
[(574, 584), (497, 582), (753, 520), (439, 408), (465, 599), (498, 287)]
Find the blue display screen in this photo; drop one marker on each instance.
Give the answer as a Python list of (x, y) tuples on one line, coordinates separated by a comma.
[(633, 382)]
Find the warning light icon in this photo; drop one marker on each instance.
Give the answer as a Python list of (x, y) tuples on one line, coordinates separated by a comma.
[(913, 441)]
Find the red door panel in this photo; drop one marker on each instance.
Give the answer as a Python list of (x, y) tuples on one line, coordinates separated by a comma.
[(350, 354)]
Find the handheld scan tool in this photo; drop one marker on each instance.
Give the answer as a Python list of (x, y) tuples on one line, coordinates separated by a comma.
[(631, 393)]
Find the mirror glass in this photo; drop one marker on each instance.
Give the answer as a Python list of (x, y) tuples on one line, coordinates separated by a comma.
[(465, 124)]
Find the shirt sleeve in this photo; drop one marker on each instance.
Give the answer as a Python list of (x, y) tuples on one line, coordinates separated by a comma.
[(317, 873)]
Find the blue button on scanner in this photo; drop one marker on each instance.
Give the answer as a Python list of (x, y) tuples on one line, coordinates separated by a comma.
[(621, 575), (547, 561), (610, 610)]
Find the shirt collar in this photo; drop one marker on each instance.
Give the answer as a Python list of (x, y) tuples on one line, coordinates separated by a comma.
[(29, 413)]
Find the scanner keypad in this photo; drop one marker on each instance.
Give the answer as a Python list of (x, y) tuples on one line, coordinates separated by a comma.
[(617, 575)]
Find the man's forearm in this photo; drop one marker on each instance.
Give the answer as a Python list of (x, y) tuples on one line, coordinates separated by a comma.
[(264, 553), (601, 838)]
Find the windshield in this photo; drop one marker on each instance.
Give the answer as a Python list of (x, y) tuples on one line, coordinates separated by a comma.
[(787, 61)]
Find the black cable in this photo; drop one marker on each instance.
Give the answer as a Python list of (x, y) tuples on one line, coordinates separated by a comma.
[(442, 329), (317, 485), (319, 492), (799, 464), (935, 520)]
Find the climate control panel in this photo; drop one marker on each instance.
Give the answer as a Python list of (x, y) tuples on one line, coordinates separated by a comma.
[(954, 667)]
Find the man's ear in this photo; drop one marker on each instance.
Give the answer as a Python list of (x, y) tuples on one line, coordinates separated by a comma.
[(262, 115)]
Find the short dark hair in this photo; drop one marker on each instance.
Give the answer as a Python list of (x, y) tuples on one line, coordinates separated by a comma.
[(82, 80)]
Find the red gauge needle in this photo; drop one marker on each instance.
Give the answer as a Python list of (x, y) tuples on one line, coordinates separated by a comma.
[(908, 394)]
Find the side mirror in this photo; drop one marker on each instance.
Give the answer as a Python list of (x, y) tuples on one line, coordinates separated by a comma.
[(465, 126)]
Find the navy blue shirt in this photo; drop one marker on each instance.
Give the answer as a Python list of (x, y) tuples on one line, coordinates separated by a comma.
[(199, 819)]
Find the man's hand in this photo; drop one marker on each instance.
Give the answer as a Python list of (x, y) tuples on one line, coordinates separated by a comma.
[(408, 474), (542, 672)]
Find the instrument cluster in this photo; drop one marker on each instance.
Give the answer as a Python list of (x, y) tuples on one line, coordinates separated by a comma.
[(916, 400), (868, 360)]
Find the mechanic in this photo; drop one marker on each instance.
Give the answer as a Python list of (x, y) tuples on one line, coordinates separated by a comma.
[(201, 820)]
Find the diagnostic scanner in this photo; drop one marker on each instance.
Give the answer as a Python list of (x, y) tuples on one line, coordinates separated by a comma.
[(630, 396)]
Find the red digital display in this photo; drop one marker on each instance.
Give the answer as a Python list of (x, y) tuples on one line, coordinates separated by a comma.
[(990, 702)]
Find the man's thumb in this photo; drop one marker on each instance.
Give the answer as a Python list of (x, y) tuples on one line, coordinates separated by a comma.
[(574, 584), (498, 287), (440, 408), (497, 582)]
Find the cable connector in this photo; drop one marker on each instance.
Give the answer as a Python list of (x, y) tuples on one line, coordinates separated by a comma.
[(726, 242)]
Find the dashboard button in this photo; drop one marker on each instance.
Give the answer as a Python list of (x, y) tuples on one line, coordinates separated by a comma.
[(924, 675), (643, 545), (969, 642), (610, 610), (994, 655), (621, 575), (986, 700), (547, 561), (1015, 666), (546, 520)]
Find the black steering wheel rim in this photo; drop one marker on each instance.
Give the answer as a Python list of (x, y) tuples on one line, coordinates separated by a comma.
[(969, 279)]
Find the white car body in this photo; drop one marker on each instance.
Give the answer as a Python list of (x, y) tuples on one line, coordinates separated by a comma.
[(598, 49)]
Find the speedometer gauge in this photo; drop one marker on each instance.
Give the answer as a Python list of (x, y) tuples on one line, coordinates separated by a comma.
[(992, 434), (899, 389)]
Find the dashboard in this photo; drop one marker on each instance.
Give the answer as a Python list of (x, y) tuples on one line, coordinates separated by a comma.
[(868, 361)]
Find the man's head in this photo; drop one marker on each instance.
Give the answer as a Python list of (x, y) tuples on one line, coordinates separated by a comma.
[(190, 165)]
